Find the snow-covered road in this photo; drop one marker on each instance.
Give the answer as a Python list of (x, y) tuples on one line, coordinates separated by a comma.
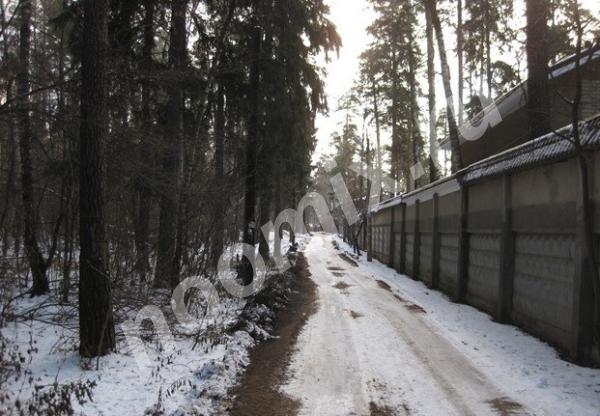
[(372, 349)]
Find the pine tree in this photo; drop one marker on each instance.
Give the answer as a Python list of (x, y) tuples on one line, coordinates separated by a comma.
[(143, 190), (369, 88), (434, 171), (166, 274), (488, 26), (396, 59), (538, 91), (37, 264), (457, 163), (96, 327)]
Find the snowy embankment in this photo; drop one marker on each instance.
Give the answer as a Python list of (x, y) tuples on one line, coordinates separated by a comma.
[(206, 362), (121, 386), (524, 367)]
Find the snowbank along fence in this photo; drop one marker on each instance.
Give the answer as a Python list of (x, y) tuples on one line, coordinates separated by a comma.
[(501, 235)]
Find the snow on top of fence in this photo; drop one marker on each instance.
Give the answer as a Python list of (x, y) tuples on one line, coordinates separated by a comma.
[(442, 187), (549, 148)]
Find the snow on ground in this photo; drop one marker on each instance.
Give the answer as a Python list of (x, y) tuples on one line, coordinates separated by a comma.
[(381, 340), (180, 382), (122, 387)]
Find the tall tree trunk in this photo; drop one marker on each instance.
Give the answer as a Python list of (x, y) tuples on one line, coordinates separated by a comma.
[(166, 267), (250, 225), (395, 136), (144, 194), (488, 52), (294, 198), (267, 148), (11, 159), (34, 255), (10, 177), (122, 29), (18, 233), (538, 91), (278, 208), (265, 210), (96, 327), (182, 236), (434, 172), (457, 162), (70, 209), (219, 226), (415, 133), (377, 135), (362, 156), (369, 247), (459, 52), (585, 198), (219, 205), (68, 237), (481, 68)]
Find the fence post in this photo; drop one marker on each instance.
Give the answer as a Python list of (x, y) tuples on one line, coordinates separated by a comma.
[(435, 244), (507, 256), (463, 245), (365, 232), (402, 265), (416, 242), (369, 229), (391, 237), (583, 299)]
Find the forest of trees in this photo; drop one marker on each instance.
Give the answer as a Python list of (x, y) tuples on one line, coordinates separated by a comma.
[(393, 106), (140, 138), (137, 138)]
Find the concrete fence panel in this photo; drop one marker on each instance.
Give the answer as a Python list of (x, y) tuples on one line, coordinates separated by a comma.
[(425, 257), (544, 198), (543, 285), (448, 263), (483, 270), (409, 252)]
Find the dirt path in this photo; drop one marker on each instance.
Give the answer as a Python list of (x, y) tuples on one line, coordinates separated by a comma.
[(369, 352), (258, 393), (364, 351)]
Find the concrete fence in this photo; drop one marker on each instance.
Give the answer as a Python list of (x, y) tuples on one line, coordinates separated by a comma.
[(504, 236)]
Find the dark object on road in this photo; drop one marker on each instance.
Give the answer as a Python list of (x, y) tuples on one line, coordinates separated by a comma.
[(293, 248), (347, 259)]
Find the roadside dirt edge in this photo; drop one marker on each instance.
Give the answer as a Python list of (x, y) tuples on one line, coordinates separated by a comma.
[(258, 391)]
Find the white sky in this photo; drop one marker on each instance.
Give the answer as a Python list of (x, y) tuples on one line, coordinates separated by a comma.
[(352, 17)]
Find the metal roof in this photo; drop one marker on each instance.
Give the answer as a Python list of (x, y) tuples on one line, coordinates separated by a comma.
[(547, 149), (516, 98)]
